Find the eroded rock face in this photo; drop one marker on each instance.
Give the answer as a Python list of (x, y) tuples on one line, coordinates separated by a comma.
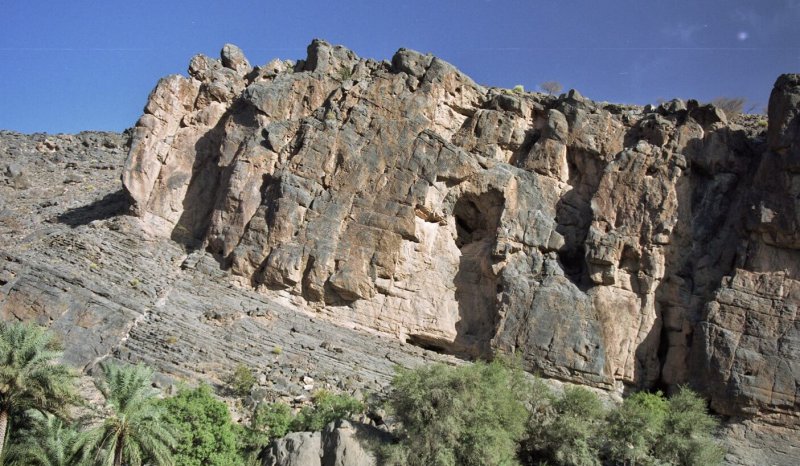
[(605, 244), (747, 358), (341, 443)]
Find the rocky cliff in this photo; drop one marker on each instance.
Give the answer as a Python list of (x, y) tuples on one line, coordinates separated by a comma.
[(608, 245)]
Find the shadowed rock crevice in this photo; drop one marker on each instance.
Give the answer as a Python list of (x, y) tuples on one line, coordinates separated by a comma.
[(477, 220), (574, 214)]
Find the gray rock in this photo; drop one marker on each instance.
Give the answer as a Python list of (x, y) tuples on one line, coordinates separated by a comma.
[(341, 443), (296, 449)]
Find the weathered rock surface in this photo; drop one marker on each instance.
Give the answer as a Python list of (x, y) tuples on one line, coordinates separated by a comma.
[(336, 205), (592, 239), (407, 199), (342, 443), (71, 260)]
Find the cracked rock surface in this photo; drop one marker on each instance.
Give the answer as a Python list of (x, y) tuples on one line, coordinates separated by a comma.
[(335, 205)]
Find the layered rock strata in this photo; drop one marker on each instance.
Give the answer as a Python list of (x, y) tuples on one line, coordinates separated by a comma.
[(403, 197), (400, 202)]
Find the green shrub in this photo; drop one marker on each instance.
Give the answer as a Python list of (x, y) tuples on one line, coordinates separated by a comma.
[(634, 428), (205, 433), (687, 439), (273, 419), (326, 407), (345, 73), (467, 415), (242, 380), (564, 430), (518, 89), (269, 421)]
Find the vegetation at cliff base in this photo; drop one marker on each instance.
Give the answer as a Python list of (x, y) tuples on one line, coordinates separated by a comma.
[(205, 433), (487, 414), (30, 377), (134, 430), (468, 415)]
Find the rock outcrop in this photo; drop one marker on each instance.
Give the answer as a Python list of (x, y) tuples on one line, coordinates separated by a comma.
[(341, 443), (335, 205), (407, 199)]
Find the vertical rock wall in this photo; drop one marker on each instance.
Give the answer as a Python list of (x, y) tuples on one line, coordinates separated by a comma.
[(605, 244)]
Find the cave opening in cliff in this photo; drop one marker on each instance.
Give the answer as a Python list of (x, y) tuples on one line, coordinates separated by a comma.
[(477, 219)]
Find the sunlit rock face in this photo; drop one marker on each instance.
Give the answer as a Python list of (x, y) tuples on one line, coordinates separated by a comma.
[(604, 244)]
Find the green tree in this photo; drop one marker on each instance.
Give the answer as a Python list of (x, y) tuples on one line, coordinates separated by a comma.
[(564, 430), (688, 429), (468, 415), (203, 429), (633, 429), (30, 377), (134, 430), (49, 442), (326, 407)]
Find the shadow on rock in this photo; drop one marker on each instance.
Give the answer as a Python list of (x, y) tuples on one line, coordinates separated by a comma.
[(111, 205)]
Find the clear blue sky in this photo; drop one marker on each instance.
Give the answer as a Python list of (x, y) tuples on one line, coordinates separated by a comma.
[(67, 66)]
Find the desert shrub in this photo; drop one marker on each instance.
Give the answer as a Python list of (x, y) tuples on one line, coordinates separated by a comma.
[(518, 89), (326, 407), (466, 415), (205, 432), (551, 87), (564, 430), (687, 437), (269, 421), (345, 73), (732, 106), (241, 380), (273, 419), (634, 428)]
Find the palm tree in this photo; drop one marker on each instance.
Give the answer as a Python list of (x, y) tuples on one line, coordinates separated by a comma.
[(30, 377), (49, 443), (134, 429)]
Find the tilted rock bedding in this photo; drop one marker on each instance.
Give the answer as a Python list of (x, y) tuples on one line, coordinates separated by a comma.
[(615, 246)]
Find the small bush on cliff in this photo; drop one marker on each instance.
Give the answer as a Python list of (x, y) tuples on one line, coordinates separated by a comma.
[(326, 407), (732, 106), (273, 419), (467, 415), (551, 87), (241, 380)]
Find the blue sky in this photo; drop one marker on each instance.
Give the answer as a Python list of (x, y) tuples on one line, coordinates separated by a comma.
[(70, 66)]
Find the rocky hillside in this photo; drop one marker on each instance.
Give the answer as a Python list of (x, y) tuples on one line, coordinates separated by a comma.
[(336, 205)]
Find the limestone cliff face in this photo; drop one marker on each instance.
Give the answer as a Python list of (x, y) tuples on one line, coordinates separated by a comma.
[(604, 244)]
